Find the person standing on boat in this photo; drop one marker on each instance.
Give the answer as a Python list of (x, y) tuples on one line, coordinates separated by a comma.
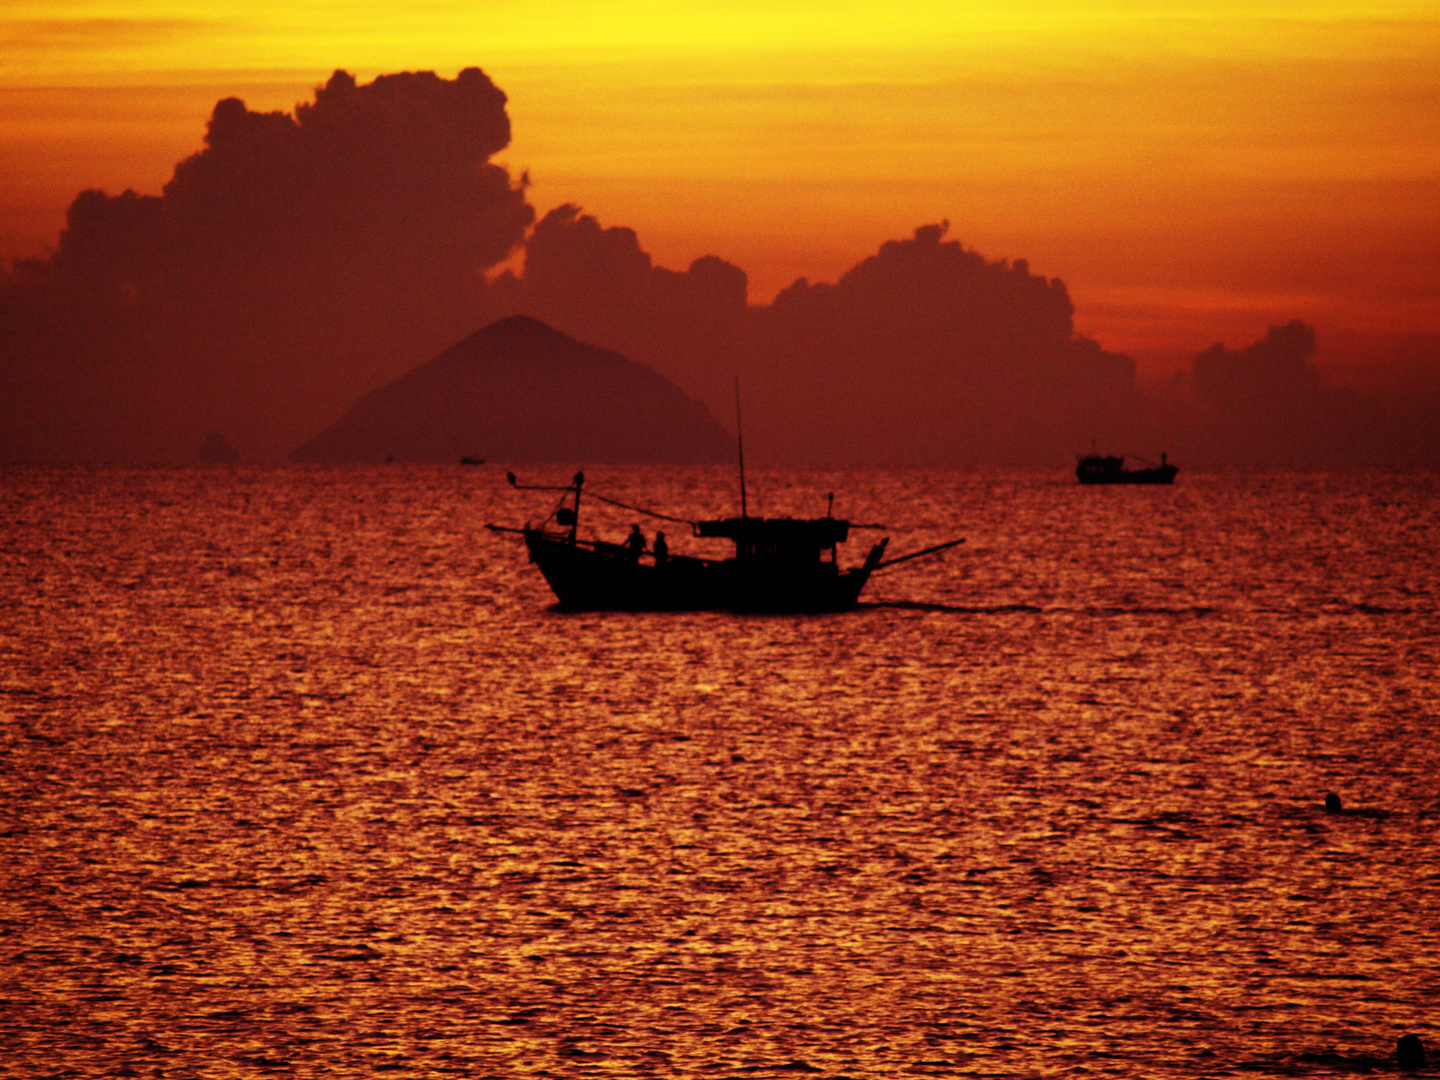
[(635, 543), (661, 549)]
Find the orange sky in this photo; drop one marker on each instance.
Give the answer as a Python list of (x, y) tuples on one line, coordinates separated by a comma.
[(1193, 172)]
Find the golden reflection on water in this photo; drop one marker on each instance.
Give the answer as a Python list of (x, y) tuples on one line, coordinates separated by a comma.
[(302, 777)]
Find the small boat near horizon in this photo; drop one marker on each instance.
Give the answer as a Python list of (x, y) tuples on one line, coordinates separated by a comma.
[(780, 565), (1096, 468)]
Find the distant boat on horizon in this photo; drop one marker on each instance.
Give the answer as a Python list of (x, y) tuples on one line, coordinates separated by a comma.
[(1110, 469)]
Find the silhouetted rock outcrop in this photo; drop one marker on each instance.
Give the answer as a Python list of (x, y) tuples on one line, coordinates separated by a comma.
[(215, 450), (519, 390)]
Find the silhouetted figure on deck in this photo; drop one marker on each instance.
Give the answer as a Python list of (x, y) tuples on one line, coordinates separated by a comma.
[(661, 549), (635, 543)]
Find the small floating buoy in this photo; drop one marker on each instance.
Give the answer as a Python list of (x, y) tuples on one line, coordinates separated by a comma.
[(1410, 1052), (1332, 803)]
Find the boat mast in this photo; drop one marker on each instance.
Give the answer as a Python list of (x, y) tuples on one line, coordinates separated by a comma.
[(740, 442), (575, 525)]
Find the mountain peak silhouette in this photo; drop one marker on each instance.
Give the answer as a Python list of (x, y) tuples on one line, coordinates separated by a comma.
[(521, 338), (520, 390)]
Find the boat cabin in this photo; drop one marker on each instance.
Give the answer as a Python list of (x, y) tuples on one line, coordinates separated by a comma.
[(1100, 466), (783, 541)]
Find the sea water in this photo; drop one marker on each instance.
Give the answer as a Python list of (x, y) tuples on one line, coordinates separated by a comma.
[(301, 775)]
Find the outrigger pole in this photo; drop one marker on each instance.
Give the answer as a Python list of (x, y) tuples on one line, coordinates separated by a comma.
[(917, 554), (579, 481), (574, 486), (543, 487)]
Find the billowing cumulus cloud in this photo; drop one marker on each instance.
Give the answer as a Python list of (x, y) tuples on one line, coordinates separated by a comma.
[(295, 262), (1277, 371), (1270, 403), (597, 284), (301, 260), (928, 352), (1264, 402), (923, 352)]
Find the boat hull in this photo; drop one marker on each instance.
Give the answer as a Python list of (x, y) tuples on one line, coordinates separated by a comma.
[(1161, 474), (608, 579)]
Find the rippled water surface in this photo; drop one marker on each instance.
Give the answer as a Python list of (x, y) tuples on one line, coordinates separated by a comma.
[(300, 775)]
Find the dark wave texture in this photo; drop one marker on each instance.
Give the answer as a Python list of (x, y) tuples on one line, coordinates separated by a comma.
[(302, 776)]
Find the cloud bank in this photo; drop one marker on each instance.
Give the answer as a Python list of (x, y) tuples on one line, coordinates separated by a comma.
[(1268, 403), (598, 285), (928, 353), (924, 352), (286, 268), (301, 260)]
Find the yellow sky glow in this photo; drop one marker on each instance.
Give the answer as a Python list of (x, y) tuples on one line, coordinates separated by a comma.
[(1191, 171)]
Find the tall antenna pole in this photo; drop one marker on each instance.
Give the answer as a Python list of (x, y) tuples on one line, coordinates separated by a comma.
[(740, 442)]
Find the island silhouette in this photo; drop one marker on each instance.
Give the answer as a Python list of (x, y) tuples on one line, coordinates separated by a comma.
[(519, 390)]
